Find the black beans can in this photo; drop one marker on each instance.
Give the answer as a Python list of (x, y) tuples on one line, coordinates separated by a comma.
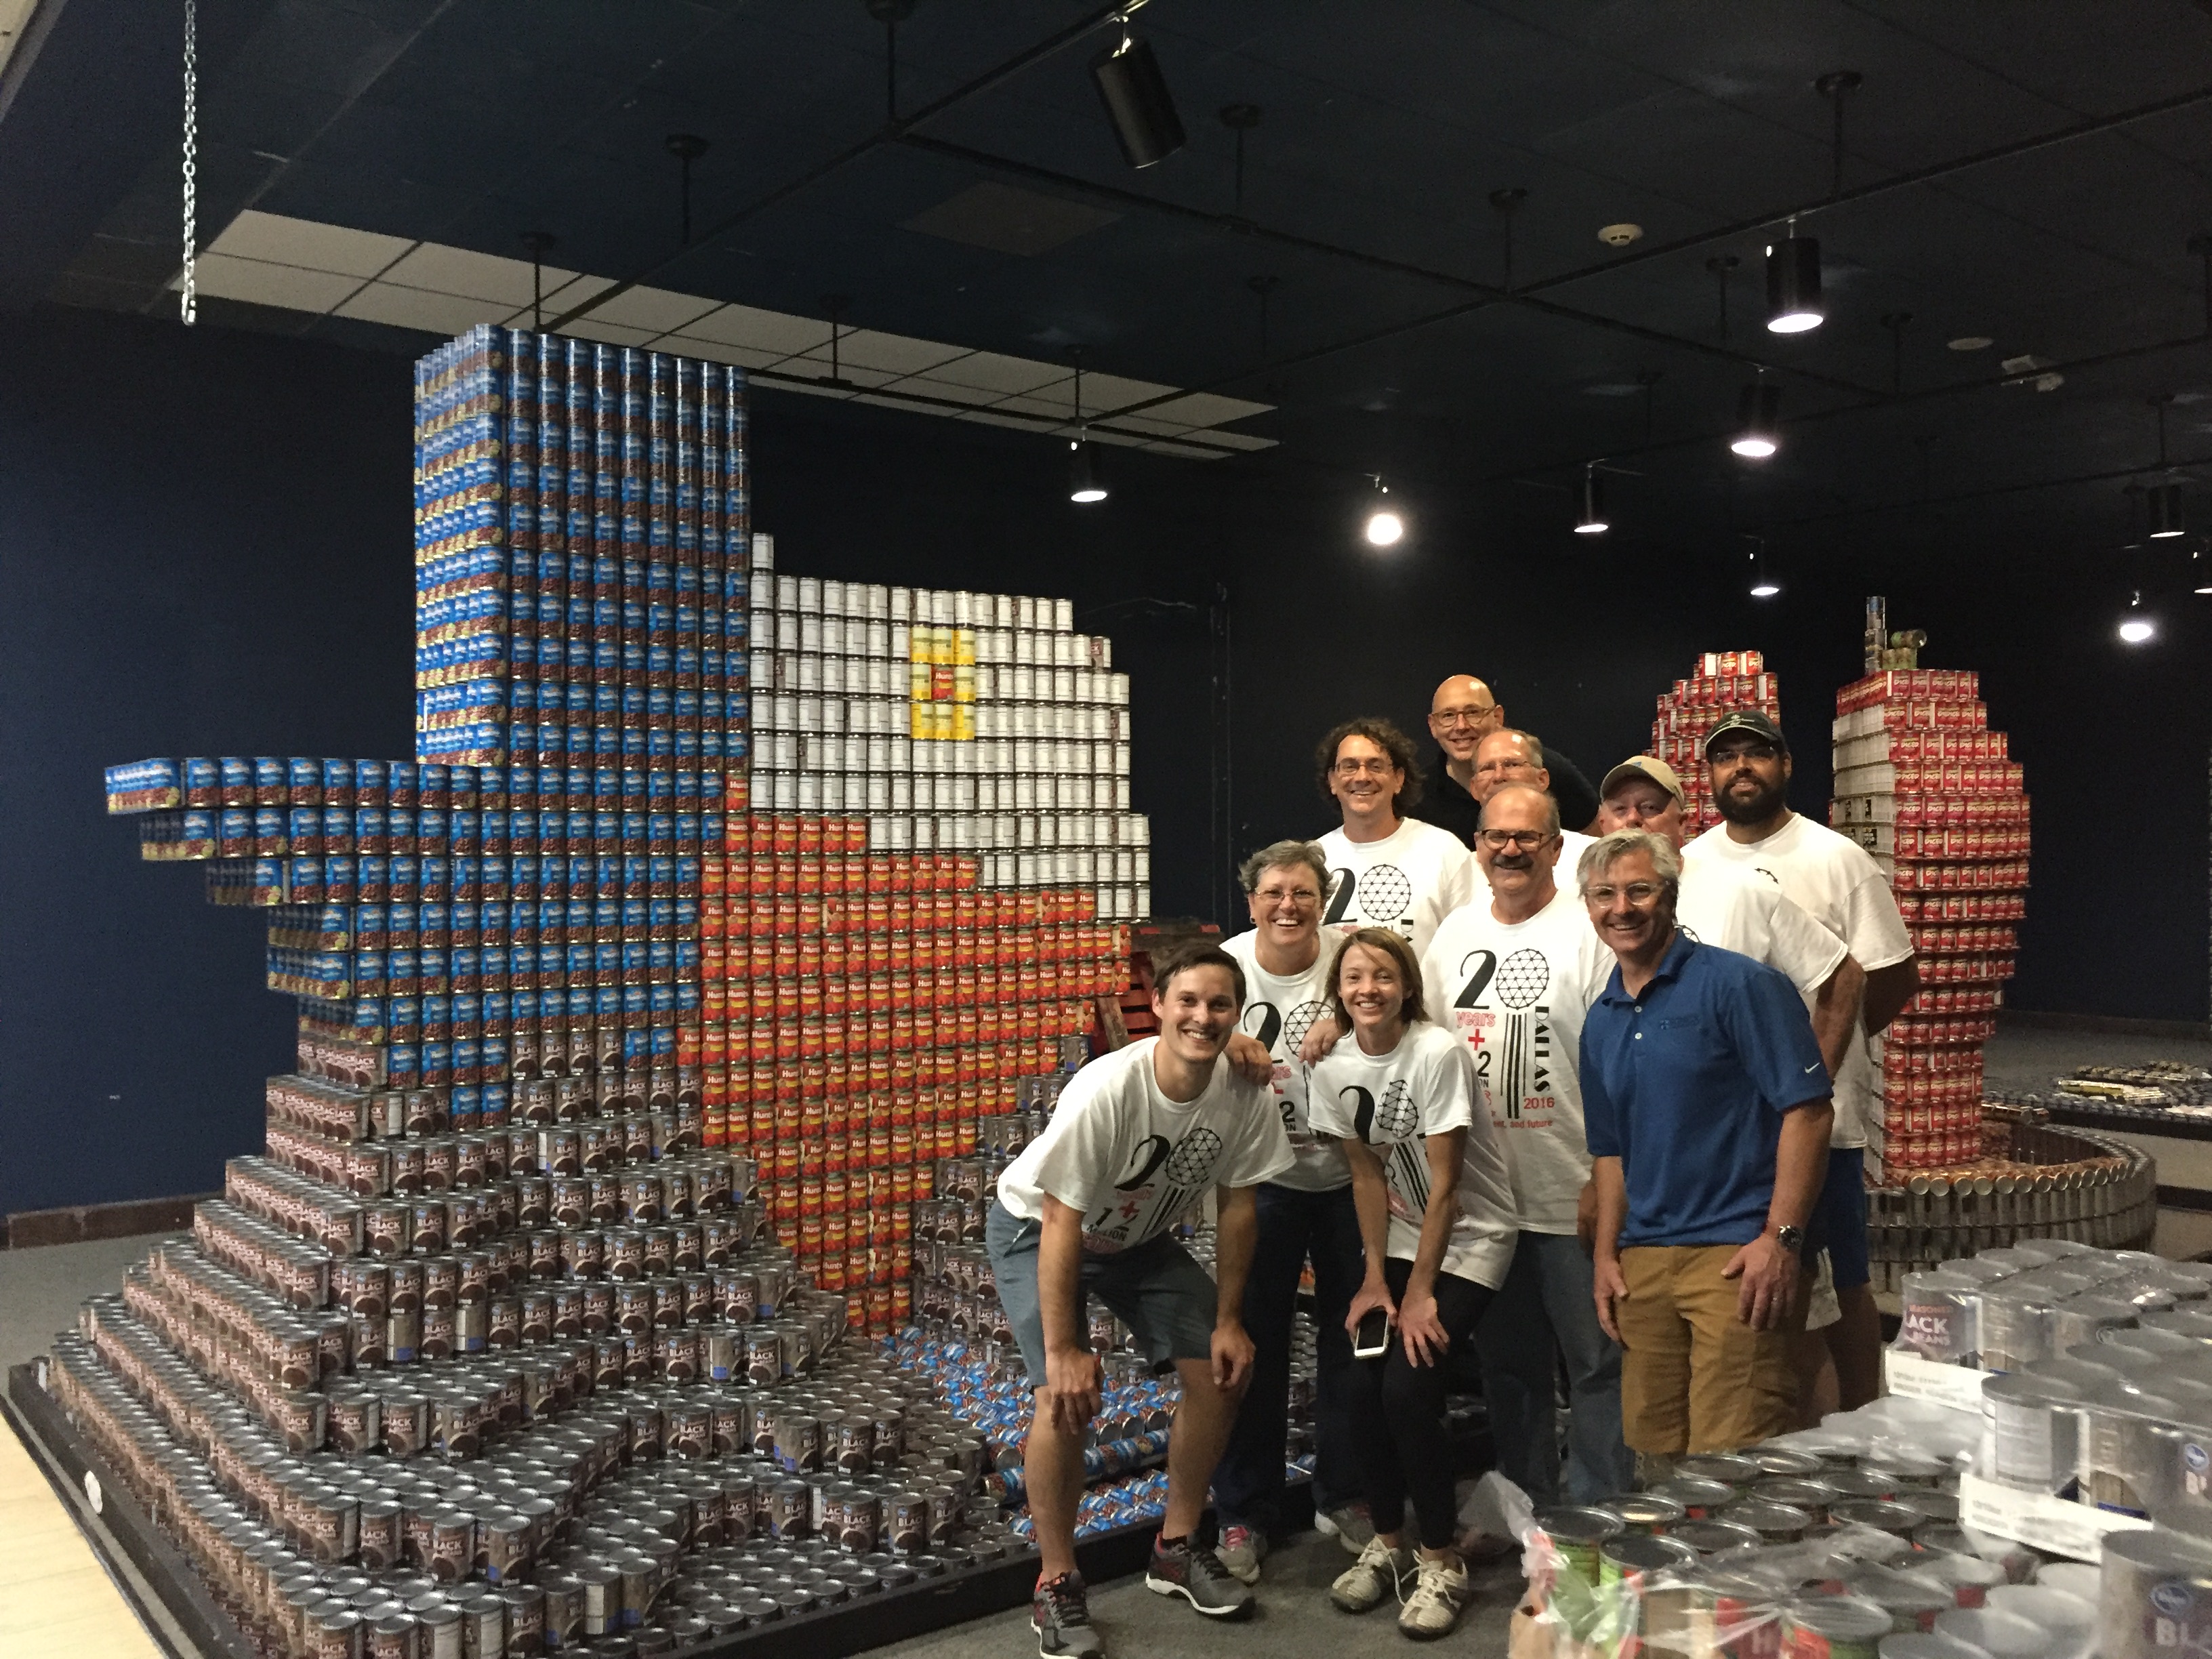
[(790, 1506), (906, 1523)]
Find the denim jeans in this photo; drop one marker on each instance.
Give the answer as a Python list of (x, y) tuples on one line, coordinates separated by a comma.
[(1247, 1485), (1546, 1307)]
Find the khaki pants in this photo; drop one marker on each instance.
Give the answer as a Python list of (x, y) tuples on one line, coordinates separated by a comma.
[(1694, 1377)]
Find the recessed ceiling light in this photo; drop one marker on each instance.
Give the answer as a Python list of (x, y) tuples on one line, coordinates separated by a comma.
[(1618, 235), (1971, 343)]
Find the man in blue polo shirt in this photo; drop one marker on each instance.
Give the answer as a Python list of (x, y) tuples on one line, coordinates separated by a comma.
[(1706, 1105)]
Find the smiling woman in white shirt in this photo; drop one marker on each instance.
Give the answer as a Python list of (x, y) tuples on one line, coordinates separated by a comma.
[(1437, 1217)]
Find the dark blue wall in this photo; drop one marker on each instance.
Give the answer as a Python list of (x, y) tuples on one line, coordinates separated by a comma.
[(204, 542)]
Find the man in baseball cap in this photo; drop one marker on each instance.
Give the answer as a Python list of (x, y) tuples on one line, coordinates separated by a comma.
[(1834, 880)]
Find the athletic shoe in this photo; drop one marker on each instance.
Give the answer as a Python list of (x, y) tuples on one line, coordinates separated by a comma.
[(1195, 1573), (1376, 1574), (1241, 1551), (1439, 1593), (1347, 1523), (1060, 1613)]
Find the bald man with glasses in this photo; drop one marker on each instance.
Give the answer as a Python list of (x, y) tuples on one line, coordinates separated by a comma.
[(1461, 714)]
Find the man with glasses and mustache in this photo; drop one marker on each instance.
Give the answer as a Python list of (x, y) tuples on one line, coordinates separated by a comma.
[(1385, 870), (1511, 974), (1835, 881), (1462, 713), (1306, 1210), (1706, 1106)]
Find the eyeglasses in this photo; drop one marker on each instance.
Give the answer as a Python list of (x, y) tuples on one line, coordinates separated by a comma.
[(1303, 897), (1498, 840), (1757, 749), (1461, 716), (1638, 893), (1353, 769)]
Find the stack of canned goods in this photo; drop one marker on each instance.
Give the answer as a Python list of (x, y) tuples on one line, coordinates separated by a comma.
[(2034, 1185)]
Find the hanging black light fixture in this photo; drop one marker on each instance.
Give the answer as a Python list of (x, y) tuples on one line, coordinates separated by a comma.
[(2166, 511), (1592, 520), (1758, 425), (1087, 478), (1138, 103), (1793, 285)]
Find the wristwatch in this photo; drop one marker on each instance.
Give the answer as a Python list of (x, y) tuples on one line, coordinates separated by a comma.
[(1791, 1239)]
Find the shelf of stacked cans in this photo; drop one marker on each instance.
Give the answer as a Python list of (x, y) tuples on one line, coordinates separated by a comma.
[(1925, 786), (1720, 680), (2159, 1096)]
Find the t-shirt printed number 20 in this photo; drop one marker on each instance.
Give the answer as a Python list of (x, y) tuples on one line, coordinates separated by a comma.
[(1188, 1164), (1383, 894)]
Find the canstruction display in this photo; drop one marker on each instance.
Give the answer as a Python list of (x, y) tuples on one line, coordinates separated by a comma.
[(1943, 1516), (641, 1014), (1926, 787), (1720, 680)]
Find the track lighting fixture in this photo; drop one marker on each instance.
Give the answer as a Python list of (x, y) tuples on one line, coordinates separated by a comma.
[(1138, 103), (2137, 626), (1758, 424), (1591, 520), (1385, 527), (1793, 285), (2166, 511)]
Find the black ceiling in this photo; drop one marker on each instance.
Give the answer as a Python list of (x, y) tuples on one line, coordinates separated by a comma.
[(1989, 186)]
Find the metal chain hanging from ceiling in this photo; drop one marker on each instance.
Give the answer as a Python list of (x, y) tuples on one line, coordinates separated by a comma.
[(191, 297)]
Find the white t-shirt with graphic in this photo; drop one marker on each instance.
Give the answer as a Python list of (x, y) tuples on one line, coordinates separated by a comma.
[(1425, 1086), (1514, 995), (1280, 1012), (1408, 882), (1832, 879), (1720, 904), (1133, 1161)]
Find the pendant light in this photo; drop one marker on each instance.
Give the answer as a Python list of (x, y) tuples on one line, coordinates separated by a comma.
[(1758, 426), (1793, 284), (1138, 103), (1385, 527), (2166, 514), (2138, 627), (1086, 477), (1592, 520)]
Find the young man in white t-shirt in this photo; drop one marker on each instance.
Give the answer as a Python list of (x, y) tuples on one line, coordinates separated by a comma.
[(1512, 974), (1386, 870), (1305, 1212), (1138, 1139), (1833, 880)]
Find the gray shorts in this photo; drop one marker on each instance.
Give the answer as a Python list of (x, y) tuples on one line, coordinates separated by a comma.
[(1154, 1288)]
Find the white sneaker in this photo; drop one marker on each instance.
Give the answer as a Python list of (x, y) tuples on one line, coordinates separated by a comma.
[(1439, 1593), (1240, 1550), (1377, 1573), (1348, 1524)]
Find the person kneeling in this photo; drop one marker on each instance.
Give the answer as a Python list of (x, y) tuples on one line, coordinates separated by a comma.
[(1437, 1217), (1139, 1136)]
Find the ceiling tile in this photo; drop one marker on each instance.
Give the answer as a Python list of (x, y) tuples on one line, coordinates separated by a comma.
[(1112, 390), (762, 330), (416, 308), (1207, 409), (471, 275), (894, 352), (717, 351), (265, 284), (271, 236), (652, 308), (992, 372)]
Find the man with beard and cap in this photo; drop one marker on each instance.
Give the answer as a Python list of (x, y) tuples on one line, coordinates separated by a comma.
[(1834, 880), (1706, 1102), (1512, 974), (1462, 713)]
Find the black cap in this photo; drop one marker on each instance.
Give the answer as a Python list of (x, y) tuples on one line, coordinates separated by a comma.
[(1751, 721)]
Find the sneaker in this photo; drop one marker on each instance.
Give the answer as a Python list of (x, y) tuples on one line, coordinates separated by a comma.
[(1241, 1551), (1377, 1573), (1439, 1593), (1060, 1613), (1195, 1573), (1347, 1523)]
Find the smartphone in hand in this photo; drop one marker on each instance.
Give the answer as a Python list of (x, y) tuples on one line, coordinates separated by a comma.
[(1373, 1339)]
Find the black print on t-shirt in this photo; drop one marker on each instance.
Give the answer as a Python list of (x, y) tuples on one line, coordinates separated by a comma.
[(1264, 1023), (1398, 1116), (1526, 1047), (1384, 892), (1189, 1166)]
